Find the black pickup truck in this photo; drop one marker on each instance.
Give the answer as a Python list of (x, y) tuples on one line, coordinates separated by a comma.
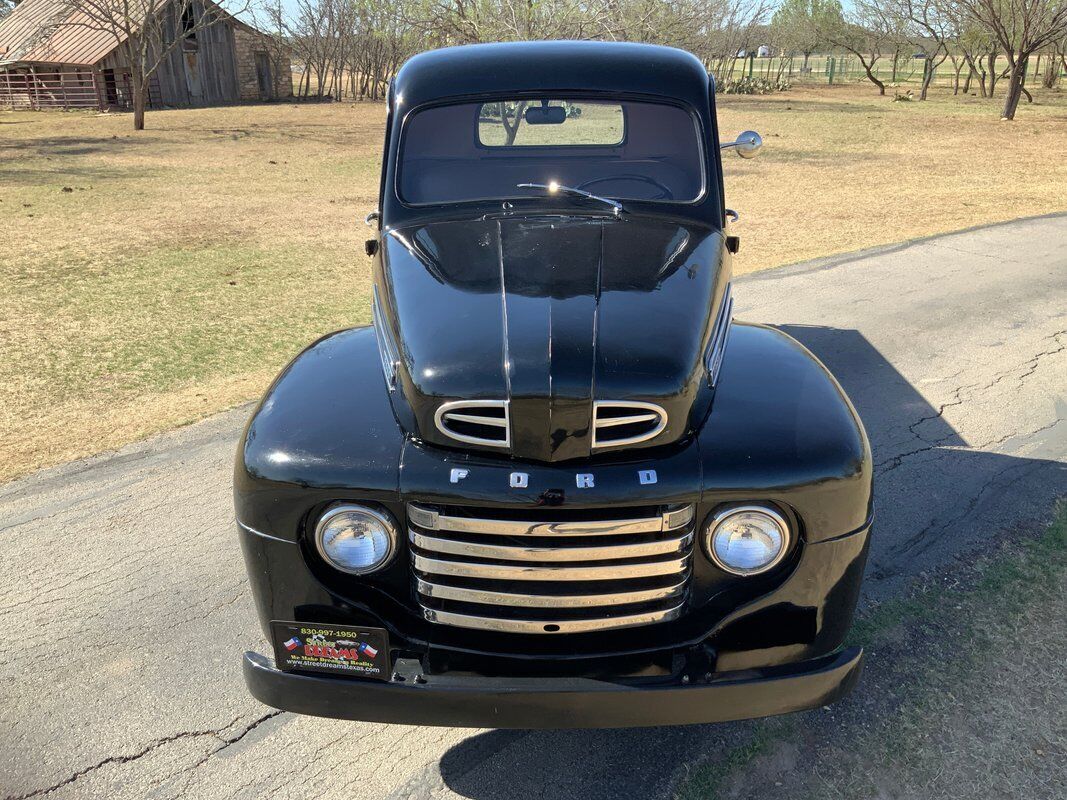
[(555, 484)]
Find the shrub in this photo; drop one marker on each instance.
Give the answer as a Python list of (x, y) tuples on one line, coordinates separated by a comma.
[(753, 86)]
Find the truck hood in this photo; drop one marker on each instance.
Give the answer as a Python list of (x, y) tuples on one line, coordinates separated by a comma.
[(551, 313)]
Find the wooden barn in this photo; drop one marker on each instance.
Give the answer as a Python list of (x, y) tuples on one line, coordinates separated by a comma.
[(50, 58)]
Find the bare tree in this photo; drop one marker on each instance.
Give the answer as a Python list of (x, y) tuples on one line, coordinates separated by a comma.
[(147, 32), (800, 26), (380, 39), (1021, 28), (730, 27), (1056, 55), (972, 41), (927, 26), (868, 32)]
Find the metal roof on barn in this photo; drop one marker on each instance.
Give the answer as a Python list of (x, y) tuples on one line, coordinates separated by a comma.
[(49, 32)]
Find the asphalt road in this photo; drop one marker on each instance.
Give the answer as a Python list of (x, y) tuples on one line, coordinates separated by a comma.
[(124, 605)]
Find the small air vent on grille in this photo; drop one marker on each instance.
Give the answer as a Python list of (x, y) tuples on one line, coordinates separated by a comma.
[(482, 422), (616, 424)]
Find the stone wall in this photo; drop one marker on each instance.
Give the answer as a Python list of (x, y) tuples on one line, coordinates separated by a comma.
[(247, 43)]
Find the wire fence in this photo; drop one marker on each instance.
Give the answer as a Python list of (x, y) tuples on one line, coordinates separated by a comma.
[(832, 69)]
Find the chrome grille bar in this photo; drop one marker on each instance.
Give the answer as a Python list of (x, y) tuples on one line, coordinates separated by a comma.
[(432, 520), (504, 553), (550, 575), (552, 626), (490, 598), (470, 569)]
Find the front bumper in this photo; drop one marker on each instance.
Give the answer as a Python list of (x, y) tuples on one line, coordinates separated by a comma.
[(476, 702)]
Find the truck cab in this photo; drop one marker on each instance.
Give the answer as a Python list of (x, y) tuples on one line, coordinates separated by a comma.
[(554, 484)]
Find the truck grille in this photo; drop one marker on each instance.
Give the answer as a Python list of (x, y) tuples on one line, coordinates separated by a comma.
[(571, 573)]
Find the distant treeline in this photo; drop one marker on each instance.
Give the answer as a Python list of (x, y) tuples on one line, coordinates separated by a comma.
[(351, 48)]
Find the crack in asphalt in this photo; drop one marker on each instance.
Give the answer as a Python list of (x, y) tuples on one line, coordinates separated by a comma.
[(920, 542), (226, 742), (152, 746), (1016, 434), (1030, 365)]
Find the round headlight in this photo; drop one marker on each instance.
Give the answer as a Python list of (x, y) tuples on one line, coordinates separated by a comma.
[(355, 539), (747, 540)]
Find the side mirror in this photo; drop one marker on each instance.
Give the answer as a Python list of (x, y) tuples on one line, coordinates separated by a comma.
[(747, 144)]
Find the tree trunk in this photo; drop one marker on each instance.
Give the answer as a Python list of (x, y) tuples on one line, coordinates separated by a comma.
[(992, 61), (869, 69), (1015, 90), (511, 131), (804, 68), (137, 85), (928, 76), (1052, 72)]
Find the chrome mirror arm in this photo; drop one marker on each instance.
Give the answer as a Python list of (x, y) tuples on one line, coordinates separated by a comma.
[(747, 144)]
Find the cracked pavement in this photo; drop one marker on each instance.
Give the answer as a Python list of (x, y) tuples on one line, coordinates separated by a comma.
[(125, 607)]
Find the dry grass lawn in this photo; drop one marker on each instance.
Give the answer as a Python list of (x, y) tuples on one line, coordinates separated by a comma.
[(149, 279)]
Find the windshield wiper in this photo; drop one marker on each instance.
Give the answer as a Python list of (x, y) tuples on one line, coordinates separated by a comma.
[(558, 188)]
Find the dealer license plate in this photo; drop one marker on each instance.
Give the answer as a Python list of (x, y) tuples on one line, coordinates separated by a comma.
[(333, 649)]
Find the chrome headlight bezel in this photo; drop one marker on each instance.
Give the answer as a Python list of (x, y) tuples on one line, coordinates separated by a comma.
[(720, 517), (387, 523)]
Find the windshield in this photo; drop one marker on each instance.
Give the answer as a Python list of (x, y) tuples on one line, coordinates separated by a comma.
[(617, 149)]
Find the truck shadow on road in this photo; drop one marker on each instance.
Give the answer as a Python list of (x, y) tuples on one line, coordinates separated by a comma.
[(935, 500)]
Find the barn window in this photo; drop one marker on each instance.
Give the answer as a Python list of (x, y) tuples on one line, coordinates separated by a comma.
[(189, 22)]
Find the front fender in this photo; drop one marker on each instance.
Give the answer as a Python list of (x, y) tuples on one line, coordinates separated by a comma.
[(324, 425), (782, 429)]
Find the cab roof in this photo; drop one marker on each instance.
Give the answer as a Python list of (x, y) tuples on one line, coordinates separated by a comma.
[(514, 69)]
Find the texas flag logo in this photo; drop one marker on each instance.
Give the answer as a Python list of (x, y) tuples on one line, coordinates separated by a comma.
[(367, 650), (292, 644)]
